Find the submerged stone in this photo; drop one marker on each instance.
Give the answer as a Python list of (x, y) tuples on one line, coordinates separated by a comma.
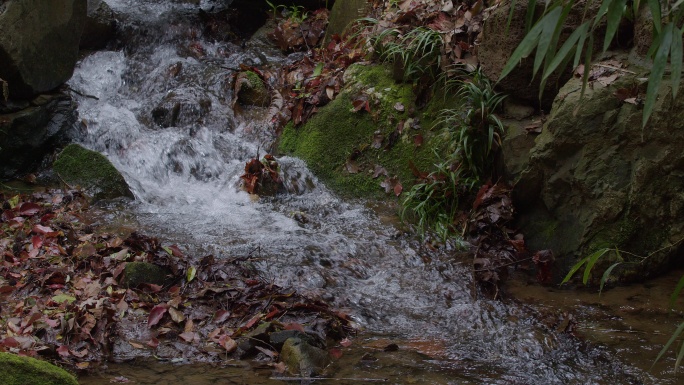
[(15, 370), (302, 358)]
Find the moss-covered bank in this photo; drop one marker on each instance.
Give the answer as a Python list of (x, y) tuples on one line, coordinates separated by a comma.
[(15, 370), (345, 148)]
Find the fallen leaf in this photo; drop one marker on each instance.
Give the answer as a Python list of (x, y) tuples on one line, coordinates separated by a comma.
[(228, 343), (187, 336), (399, 107), (136, 345), (221, 316), (156, 314)]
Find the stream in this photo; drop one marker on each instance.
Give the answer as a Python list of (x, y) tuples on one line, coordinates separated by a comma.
[(160, 109)]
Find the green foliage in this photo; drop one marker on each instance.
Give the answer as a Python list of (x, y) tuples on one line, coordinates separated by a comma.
[(543, 36), (417, 51), (472, 135), (296, 13)]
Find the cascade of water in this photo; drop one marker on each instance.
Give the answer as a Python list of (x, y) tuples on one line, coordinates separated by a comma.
[(160, 111)]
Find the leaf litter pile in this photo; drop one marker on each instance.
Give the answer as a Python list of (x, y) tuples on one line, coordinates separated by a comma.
[(73, 295)]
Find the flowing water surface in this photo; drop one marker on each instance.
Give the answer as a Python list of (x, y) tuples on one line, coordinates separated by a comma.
[(160, 109)]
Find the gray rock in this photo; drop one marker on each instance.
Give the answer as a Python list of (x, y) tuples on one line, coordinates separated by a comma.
[(595, 179), (302, 358), (92, 171), (29, 131), (100, 25), (45, 54), (343, 13)]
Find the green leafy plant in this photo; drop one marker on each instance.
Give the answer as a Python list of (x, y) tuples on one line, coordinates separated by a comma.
[(543, 37), (417, 51), (635, 261), (472, 135), (295, 13)]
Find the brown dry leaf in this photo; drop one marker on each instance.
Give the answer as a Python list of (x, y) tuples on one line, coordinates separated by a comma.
[(330, 91), (176, 315), (608, 80), (187, 336), (351, 167), (136, 345)]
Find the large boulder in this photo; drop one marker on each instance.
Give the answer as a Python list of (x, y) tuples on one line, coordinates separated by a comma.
[(343, 13), (596, 179), (15, 370), (92, 171), (39, 43), (100, 25), (30, 130)]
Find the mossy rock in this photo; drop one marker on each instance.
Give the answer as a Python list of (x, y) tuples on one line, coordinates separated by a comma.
[(300, 358), (341, 146), (251, 89), (15, 370), (137, 273), (92, 171)]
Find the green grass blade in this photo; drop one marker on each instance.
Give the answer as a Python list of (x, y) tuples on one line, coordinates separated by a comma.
[(524, 49), (674, 336), (606, 275), (529, 15), (587, 64), (656, 76), (676, 59), (654, 5), (510, 16), (677, 290), (591, 262), (614, 17), (549, 24)]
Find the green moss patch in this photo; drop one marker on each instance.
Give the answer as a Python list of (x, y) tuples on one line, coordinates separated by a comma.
[(15, 370), (345, 147), (92, 171)]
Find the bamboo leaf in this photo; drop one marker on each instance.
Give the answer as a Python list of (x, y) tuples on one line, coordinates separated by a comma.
[(523, 50), (656, 76), (566, 49), (549, 23), (602, 11), (574, 269), (674, 336), (510, 16), (677, 290), (676, 59), (613, 21), (591, 262), (606, 275), (679, 357), (529, 15), (654, 5)]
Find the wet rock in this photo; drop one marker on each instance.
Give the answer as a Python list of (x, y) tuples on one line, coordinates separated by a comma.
[(29, 131), (15, 370), (181, 107), (277, 339), (100, 25), (342, 14), (91, 171), (45, 55), (302, 358), (595, 179), (498, 43), (251, 90), (137, 273)]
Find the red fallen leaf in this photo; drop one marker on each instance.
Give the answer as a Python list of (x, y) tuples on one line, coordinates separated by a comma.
[(156, 314), (10, 342), (51, 322), (63, 351), (47, 217), (274, 312), (6, 289), (176, 251), (252, 322), (153, 343), (37, 241), (187, 336), (252, 282), (418, 140), (335, 353), (398, 188), (40, 229), (28, 209), (221, 316), (294, 326)]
